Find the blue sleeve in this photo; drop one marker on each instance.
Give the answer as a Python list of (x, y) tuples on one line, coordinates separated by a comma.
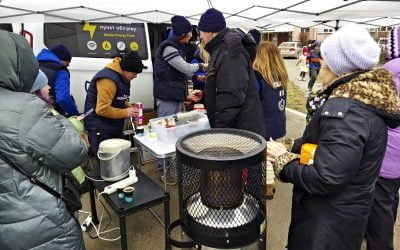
[(258, 83), (63, 96)]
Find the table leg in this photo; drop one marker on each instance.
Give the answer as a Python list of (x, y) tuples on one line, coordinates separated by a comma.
[(122, 227), (93, 203), (140, 154), (164, 163), (263, 241), (166, 221)]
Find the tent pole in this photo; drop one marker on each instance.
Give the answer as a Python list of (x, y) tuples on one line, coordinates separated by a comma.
[(337, 25)]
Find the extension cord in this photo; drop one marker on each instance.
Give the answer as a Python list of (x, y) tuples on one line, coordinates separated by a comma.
[(132, 179), (86, 223)]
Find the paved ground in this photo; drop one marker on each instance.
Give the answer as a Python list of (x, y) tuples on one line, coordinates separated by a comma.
[(144, 232)]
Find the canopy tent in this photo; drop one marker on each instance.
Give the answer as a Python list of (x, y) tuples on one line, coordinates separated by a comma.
[(265, 15)]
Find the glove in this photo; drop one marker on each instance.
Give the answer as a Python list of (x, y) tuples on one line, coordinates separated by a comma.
[(281, 161), (275, 149)]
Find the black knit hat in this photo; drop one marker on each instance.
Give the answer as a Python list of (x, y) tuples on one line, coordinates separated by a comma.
[(180, 25), (62, 52), (212, 21), (256, 35), (132, 62)]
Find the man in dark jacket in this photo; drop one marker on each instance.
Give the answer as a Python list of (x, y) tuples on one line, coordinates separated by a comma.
[(231, 96), (108, 96), (171, 71), (334, 189), (54, 63)]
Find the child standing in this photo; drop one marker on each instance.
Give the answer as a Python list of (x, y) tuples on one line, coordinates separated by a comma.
[(303, 65)]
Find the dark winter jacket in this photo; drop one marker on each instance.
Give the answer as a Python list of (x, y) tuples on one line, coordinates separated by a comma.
[(59, 81), (169, 83), (100, 123), (41, 143), (273, 102), (332, 197), (231, 96)]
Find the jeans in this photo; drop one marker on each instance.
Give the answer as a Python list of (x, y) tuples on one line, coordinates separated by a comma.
[(166, 108)]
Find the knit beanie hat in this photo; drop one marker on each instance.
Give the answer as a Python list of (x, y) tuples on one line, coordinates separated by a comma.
[(40, 81), (62, 52), (256, 35), (393, 44), (212, 21), (180, 25), (349, 49), (132, 62)]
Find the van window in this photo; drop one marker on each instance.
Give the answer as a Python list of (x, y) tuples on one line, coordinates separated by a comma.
[(100, 40)]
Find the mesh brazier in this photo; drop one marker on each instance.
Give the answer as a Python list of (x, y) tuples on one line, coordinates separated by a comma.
[(220, 187)]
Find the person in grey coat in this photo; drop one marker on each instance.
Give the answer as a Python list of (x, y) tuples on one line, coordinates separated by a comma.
[(43, 145)]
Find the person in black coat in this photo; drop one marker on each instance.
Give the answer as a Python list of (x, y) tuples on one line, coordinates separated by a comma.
[(231, 96), (345, 140)]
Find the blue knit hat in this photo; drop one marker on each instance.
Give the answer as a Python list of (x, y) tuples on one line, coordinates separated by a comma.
[(212, 21), (62, 52), (40, 81), (180, 25)]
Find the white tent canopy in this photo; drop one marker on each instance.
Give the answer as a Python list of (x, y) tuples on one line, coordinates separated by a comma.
[(267, 15)]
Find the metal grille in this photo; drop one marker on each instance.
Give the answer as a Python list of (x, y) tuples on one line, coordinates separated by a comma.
[(222, 218), (221, 144), (220, 186)]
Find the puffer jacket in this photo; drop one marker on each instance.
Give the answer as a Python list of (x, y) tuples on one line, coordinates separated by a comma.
[(332, 197), (43, 145), (231, 96), (390, 166)]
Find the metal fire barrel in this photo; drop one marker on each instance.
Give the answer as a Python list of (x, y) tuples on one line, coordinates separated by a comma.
[(220, 180)]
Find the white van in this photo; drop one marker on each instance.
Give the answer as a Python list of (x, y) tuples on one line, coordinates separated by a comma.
[(93, 46)]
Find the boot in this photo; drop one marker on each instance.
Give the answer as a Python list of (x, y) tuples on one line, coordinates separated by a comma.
[(270, 191)]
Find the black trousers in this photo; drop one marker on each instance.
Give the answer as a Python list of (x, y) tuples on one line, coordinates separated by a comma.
[(383, 214)]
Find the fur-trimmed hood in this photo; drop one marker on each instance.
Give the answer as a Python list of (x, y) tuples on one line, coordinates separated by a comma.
[(375, 88)]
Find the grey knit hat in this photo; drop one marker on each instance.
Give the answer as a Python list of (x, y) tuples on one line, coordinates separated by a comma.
[(40, 81), (349, 49)]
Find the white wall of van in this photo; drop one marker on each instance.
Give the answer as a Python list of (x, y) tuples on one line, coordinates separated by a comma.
[(82, 69)]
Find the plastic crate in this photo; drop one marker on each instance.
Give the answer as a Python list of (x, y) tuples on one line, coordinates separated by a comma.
[(171, 135)]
